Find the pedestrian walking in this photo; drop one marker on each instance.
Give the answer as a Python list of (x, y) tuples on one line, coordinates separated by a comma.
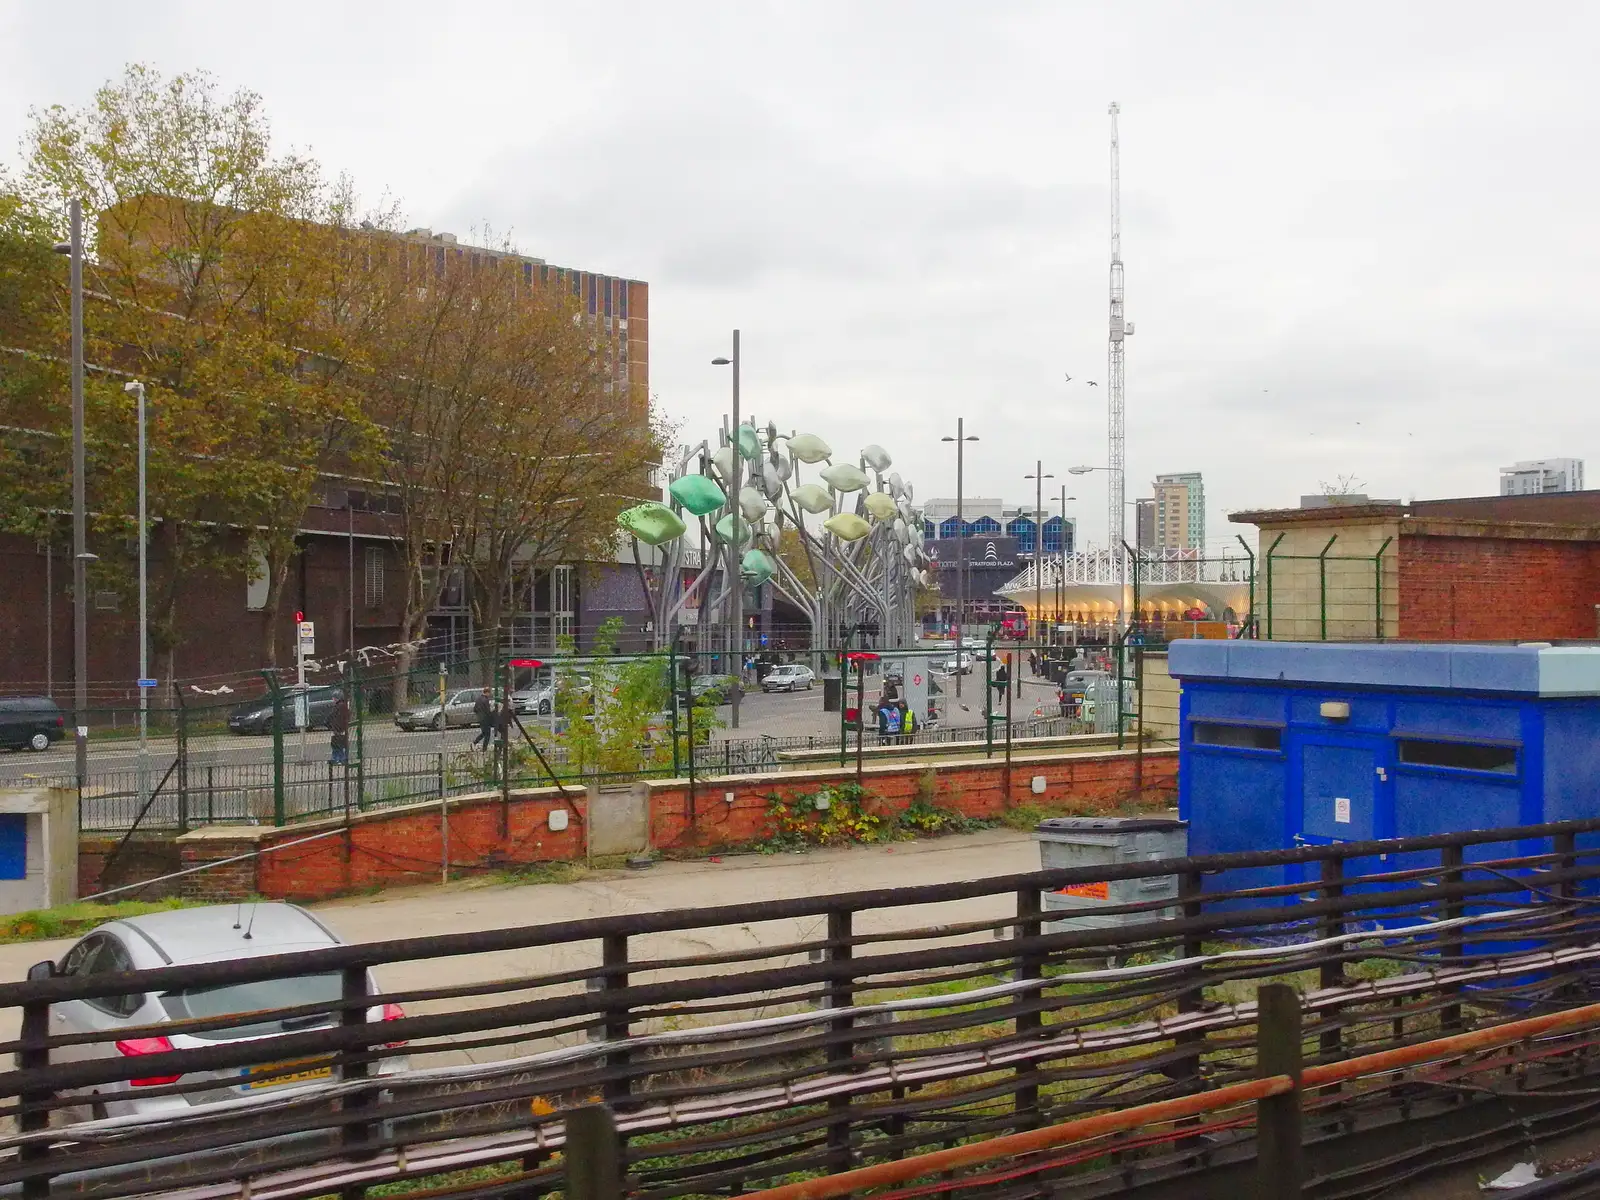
[(483, 710), (504, 719), (339, 728)]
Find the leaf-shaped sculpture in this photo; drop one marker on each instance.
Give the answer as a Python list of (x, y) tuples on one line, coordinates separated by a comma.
[(902, 532), (749, 442), (752, 503), (757, 566), (909, 495), (910, 553), (771, 485), (897, 486), (881, 505), (651, 523), (844, 477), (876, 457), (698, 494), (809, 448), (727, 527), (905, 511), (812, 498), (722, 460), (847, 527), (779, 464)]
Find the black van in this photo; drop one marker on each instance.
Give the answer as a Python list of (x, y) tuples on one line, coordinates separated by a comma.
[(32, 721)]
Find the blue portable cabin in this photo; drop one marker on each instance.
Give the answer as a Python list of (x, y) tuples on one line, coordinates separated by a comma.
[(1286, 744)]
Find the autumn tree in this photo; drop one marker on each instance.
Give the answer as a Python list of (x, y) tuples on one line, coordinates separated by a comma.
[(559, 449), (214, 280)]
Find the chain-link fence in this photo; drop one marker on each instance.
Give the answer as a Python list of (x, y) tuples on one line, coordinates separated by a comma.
[(271, 750)]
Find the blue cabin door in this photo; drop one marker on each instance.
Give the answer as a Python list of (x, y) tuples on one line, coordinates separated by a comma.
[(1346, 794)]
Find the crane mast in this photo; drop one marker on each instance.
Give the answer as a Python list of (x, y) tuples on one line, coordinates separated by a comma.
[(1116, 448)]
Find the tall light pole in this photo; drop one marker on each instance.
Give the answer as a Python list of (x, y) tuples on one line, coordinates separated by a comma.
[(735, 579), (136, 389), (1038, 477), (80, 539), (1061, 583), (961, 439)]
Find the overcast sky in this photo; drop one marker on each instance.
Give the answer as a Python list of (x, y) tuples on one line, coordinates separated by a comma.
[(1361, 239)]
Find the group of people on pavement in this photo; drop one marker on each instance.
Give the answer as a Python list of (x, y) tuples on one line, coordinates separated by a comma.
[(897, 723), (492, 722)]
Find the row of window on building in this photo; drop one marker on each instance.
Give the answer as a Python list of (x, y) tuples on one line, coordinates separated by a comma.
[(1021, 528)]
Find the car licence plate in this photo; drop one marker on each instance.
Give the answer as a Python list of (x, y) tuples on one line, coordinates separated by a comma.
[(293, 1072)]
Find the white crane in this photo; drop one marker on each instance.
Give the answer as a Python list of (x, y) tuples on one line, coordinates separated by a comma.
[(1116, 441)]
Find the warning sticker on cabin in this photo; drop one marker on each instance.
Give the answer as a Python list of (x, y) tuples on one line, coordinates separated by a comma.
[(1097, 890), (1341, 810)]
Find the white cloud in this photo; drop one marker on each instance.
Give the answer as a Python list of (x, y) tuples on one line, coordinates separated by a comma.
[(1372, 213)]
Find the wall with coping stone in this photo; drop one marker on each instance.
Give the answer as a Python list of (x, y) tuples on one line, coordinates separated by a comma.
[(403, 844)]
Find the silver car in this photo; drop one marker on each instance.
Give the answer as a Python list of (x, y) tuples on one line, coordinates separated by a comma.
[(457, 711), (199, 935), (788, 677)]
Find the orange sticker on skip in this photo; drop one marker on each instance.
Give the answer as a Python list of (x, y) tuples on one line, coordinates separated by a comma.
[(1098, 890)]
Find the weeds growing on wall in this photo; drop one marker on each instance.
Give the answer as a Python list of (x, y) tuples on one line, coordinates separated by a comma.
[(846, 814)]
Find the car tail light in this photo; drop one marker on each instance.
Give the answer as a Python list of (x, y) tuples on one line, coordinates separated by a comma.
[(137, 1047), (393, 1012)]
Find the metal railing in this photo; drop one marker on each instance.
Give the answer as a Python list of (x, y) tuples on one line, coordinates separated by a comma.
[(747, 1045)]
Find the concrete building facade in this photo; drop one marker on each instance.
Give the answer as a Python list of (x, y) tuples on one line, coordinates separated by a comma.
[(1180, 511), (1535, 477)]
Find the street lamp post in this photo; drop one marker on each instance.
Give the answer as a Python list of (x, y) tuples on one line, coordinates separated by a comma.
[(961, 439), (1061, 582), (1038, 477), (735, 579), (1117, 550), (80, 538), (136, 389)]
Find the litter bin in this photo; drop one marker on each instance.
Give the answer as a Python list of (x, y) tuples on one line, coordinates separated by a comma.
[(832, 689), (1109, 841)]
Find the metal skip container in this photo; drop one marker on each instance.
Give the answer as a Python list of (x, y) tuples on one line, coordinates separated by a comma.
[(1109, 841)]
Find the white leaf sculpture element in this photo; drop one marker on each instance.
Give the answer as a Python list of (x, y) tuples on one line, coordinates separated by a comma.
[(876, 457), (812, 498), (844, 477), (752, 503), (722, 460), (809, 448), (881, 505), (847, 527)]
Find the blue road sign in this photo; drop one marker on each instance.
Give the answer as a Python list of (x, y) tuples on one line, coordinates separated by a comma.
[(147, 683)]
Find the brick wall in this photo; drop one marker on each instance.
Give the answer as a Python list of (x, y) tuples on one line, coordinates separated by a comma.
[(403, 844), (1472, 588), (140, 859)]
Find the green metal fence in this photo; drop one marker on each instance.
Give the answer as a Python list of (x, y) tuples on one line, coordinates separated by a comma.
[(268, 751)]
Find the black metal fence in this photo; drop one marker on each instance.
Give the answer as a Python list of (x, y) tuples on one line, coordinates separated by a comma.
[(755, 1043)]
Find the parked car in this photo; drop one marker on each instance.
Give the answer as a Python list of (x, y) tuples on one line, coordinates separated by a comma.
[(789, 677), (31, 721), (457, 711), (953, 666), (712, 689), (536, 701), (198, 935), (255, 716)]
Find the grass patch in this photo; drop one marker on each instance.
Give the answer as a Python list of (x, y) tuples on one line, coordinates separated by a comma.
[(69, 920), (548, 872)]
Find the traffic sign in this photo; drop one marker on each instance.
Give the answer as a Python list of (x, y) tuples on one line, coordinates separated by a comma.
[(148, 683), (916, 679), (308, 637)]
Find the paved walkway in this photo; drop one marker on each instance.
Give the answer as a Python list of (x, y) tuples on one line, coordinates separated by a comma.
[(479, 905)]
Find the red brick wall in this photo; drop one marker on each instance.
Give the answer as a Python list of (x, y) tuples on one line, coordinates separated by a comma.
[(1474, 588), (403, 845), (975, 789)]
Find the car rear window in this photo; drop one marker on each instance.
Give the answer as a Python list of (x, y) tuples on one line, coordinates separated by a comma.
[(230, 999)]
